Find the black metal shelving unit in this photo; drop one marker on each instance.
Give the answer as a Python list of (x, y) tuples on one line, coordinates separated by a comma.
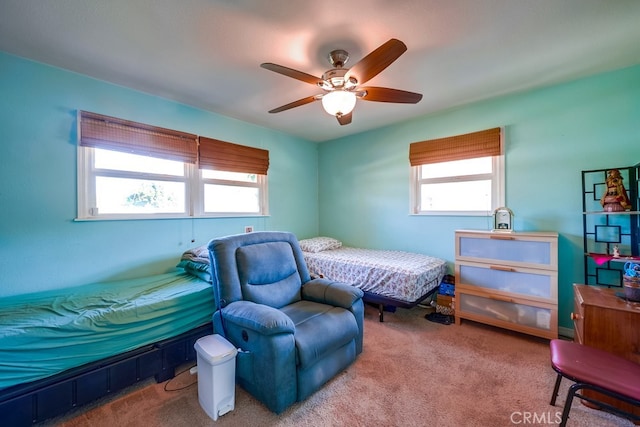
[(602, 231)]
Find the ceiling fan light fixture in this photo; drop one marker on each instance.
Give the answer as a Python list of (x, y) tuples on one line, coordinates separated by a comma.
[(341, 86), (339, 102)]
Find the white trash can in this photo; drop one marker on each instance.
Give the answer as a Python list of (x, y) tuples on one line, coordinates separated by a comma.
[(216, 375)]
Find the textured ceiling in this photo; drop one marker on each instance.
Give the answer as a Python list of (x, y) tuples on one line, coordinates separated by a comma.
[(207, 53)]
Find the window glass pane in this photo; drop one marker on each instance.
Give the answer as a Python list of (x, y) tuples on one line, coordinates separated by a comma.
[(475, 166), (473, 196), (229, 176), (115, 160), (229, 198), (124, 196)]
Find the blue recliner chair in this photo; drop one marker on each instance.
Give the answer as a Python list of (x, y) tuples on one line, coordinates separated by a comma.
[(295, 333)]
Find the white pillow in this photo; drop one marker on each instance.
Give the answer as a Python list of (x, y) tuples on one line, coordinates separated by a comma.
[(319, 244)]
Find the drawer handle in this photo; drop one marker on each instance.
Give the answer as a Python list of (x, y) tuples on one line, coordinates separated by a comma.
[(501, 268), (499, 298), (501, 237), (575, 316)]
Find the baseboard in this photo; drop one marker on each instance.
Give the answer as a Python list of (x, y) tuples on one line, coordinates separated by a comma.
[(565, 332)]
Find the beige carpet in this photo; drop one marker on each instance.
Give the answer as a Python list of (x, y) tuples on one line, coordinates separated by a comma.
[(412, 373)]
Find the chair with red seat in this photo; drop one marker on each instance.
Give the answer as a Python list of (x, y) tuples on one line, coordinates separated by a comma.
[(594, 369)]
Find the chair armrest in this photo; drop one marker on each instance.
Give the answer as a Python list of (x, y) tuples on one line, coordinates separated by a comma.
[(261, 318), (325, 291)]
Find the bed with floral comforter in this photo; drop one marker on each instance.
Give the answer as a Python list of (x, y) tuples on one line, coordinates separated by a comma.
[(388, 278)]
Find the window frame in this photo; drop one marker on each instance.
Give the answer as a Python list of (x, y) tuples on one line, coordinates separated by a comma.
[(87, 188), (260, 184), (497, 189), (194, 191)]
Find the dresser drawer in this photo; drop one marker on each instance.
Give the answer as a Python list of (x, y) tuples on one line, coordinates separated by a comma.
[(535, 250), (516, 315), (536, 284)]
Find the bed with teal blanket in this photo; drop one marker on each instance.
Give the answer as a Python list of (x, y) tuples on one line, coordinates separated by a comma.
[(61, 348)]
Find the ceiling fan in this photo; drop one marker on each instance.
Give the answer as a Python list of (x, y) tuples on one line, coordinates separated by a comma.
[(341, 86)]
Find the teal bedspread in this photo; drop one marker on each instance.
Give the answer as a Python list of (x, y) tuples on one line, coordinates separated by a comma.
[(46, 333)]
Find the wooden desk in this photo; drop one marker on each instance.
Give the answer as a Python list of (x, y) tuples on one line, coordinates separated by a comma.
[(605, 321)]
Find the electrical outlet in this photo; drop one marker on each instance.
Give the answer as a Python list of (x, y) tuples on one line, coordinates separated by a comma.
[(248, 229)]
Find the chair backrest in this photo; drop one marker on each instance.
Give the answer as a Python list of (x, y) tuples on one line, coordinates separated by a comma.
[(266, 267)]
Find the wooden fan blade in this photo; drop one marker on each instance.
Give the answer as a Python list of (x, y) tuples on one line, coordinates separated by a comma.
[(345, 119), (297, 103), (383, 94), (290, 72), (372, 64)]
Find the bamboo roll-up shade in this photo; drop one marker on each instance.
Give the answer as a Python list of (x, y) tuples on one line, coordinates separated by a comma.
[(226, 156), (477, 144), (110, 133)]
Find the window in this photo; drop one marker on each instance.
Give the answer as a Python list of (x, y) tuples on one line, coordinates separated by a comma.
[(460, 175), (129, 170), (129, 184), (231, 192)]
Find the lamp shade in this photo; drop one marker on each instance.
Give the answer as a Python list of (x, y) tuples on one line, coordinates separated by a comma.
[(339, 102)]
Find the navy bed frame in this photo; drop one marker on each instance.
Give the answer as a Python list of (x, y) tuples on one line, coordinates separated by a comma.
[(26, 404), (390, 304)]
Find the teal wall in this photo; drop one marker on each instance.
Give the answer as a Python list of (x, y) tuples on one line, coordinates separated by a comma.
[(42, 247), (358, 193), (551, 135)]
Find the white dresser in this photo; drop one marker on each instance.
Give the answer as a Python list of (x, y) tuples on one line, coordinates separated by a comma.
[(508, 280)]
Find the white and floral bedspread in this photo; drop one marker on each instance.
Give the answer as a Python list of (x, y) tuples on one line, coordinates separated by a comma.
[(400, 275)]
